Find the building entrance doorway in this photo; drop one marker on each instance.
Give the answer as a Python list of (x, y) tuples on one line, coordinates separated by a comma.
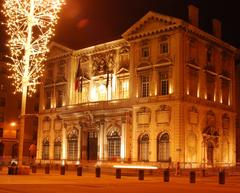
[(210, 149), (92, 146)]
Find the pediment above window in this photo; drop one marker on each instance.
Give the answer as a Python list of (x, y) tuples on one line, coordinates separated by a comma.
[(122, 71), (163, 62), (57, 50), (144, 65)]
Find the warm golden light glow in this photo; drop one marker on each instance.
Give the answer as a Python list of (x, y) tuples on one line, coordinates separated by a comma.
[(30, 25), (135, 167), (13, 124), (170, 88)]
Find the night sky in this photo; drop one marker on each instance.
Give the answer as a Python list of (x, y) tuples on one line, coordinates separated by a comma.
[(87, 22)]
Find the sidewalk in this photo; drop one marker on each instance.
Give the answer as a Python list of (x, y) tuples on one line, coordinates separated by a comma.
[(88, 183)]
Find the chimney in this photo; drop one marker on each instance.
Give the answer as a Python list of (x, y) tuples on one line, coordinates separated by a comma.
[(193, 15), (217, 28)]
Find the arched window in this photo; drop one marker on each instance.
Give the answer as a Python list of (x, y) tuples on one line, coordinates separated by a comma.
[(45, 149), (163, 149), (114, 144), (57, 148), (72, 145), (144, 148)]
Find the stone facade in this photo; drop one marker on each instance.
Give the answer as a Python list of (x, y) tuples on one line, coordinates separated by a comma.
[(163, 93)]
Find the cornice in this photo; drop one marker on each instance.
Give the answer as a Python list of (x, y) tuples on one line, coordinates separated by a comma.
[(101, 47)]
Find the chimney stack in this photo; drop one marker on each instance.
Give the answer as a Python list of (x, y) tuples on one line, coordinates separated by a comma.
[(193, 15), (217, 28)]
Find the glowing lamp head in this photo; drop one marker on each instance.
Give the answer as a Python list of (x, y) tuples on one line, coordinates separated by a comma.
[(13, 124)]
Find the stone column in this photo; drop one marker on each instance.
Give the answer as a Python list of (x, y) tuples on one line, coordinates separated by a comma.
[(123, 139), (51, 140), (153, 150), (79, 143), (101, 140), (39, 139), (64, 142)]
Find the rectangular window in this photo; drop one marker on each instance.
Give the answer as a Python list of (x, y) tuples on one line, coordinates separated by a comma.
[(193, 82), (1, 132), (48, 99), (60, 96), (210, 87), (124, 88), (1, 117), (145, 85), (164, 47), (145, 52), (61, 71), (163, 83), (225, 91), (2, 102)]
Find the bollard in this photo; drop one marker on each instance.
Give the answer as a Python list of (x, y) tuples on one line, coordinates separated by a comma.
[(141, 174), (118, 173), (166, 175), (62, 170), (192, 177), (98, 172), (203, 172), (221, 177), (10, 170), (34, 169), (79, 171), (47, 169)]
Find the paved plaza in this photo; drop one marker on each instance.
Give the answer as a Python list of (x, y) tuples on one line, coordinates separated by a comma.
[(88, 183)]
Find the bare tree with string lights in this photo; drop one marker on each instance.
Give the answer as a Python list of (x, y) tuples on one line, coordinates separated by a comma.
[(30, 25)]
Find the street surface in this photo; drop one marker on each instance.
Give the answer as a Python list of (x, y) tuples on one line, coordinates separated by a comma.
[(88, 183)]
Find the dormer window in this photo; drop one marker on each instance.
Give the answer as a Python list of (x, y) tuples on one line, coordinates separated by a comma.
[(145, 52)]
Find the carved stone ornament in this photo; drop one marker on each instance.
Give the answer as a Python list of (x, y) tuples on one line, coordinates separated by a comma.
[(144, 116), (124, 50), (163, 114), (104, 63)]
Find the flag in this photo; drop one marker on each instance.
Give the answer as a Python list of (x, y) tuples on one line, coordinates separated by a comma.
[(78, 78), (107, 83)]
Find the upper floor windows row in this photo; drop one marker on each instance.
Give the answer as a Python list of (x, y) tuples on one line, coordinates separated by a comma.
[(55, 72), (161, 83), (211, 86), (54, 99), (163, 48), (212, 58)]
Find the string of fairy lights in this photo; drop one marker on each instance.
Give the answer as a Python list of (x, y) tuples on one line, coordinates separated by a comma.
[(30, 25)]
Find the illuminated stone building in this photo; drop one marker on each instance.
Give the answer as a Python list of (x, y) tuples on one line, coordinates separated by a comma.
[(164, 92), (10, 106), (238, 107)]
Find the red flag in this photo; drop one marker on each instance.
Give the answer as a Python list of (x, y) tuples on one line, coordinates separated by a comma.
[(78, 76)]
